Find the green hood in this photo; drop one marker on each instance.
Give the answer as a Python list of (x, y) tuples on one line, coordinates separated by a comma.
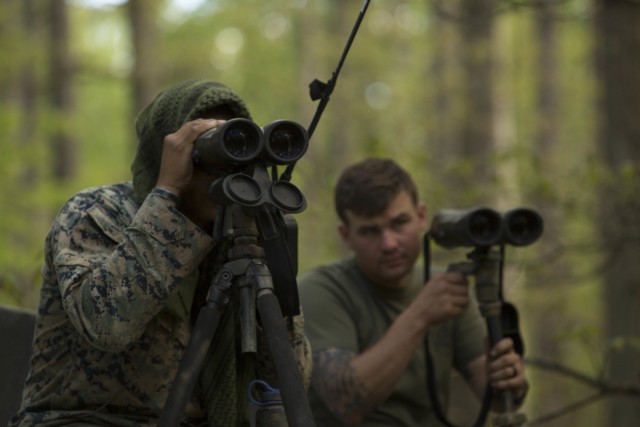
[(164, 115)]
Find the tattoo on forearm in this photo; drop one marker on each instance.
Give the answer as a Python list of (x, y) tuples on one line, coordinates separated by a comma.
[(335, 380)]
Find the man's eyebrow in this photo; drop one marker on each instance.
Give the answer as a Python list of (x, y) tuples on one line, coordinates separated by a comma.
[(401, 216), (368, 227)]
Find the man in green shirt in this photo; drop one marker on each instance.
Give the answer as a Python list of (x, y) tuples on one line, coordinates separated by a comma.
[(367, 317)]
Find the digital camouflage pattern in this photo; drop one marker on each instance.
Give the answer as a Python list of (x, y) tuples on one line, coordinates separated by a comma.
[(114, 318)]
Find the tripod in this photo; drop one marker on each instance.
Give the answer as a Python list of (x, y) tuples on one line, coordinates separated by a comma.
[(487, 268), (247, 269), (483, 228)]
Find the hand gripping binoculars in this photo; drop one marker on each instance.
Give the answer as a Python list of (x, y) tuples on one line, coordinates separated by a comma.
[(481, 227)]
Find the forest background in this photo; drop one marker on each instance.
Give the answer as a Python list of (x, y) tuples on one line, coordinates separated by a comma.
[(499, 103)]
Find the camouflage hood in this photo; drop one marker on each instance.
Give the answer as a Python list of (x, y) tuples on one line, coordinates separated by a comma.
[(164, 115)]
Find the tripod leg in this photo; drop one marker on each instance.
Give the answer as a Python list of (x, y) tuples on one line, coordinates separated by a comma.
[(247, 316), (191, 364), (293, 394), (490, 302)]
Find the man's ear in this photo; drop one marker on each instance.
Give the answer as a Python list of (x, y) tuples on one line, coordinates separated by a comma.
[(343, 231), (422, 215)]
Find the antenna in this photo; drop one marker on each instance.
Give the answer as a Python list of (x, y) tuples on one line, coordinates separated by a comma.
[(322, 91)]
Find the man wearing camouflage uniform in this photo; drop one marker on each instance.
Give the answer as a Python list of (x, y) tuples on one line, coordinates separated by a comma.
[(126, 270)]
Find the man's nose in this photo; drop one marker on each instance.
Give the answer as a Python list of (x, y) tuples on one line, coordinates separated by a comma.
[(389, 240)]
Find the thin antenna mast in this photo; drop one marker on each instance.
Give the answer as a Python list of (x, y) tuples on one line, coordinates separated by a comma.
[(322, 91)]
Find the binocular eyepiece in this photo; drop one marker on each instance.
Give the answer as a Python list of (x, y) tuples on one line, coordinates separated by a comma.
[(452, 228), (241, 141)]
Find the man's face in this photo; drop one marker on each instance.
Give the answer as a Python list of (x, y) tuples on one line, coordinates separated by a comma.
[(387, 245)]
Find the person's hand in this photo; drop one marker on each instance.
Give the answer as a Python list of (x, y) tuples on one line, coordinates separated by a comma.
[(176, 167), (444, 297), (505, 369)]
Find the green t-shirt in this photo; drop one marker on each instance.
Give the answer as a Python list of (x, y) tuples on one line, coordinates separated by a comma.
[(344, 309)]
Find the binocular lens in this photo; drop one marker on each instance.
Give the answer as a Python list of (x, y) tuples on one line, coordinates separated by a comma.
[(522, 226), (283, 144), (237, 141), (242, 141), (477, 227), (286, 141), (483, 227)]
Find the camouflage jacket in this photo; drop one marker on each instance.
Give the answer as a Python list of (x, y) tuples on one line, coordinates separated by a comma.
[(114, 315)]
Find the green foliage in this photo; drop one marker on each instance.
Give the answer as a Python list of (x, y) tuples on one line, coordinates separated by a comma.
[(385, 102), (400, 94)]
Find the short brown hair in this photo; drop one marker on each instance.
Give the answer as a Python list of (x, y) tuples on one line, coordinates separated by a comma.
[(366, 188)]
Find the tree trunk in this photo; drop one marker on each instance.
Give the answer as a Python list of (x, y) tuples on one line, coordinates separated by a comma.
[(545, 319), (443, 62), (618, 38), (147, 74), (477, 132), (25, 92), (60, 93)]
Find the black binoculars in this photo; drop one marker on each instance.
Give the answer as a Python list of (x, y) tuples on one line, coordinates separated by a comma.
[(241, 141), (480, 227)]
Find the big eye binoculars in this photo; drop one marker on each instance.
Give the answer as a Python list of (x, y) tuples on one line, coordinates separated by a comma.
[(480, 227)]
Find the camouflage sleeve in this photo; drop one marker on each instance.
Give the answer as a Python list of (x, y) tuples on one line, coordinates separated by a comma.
[(302, 350), (114, 281)]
